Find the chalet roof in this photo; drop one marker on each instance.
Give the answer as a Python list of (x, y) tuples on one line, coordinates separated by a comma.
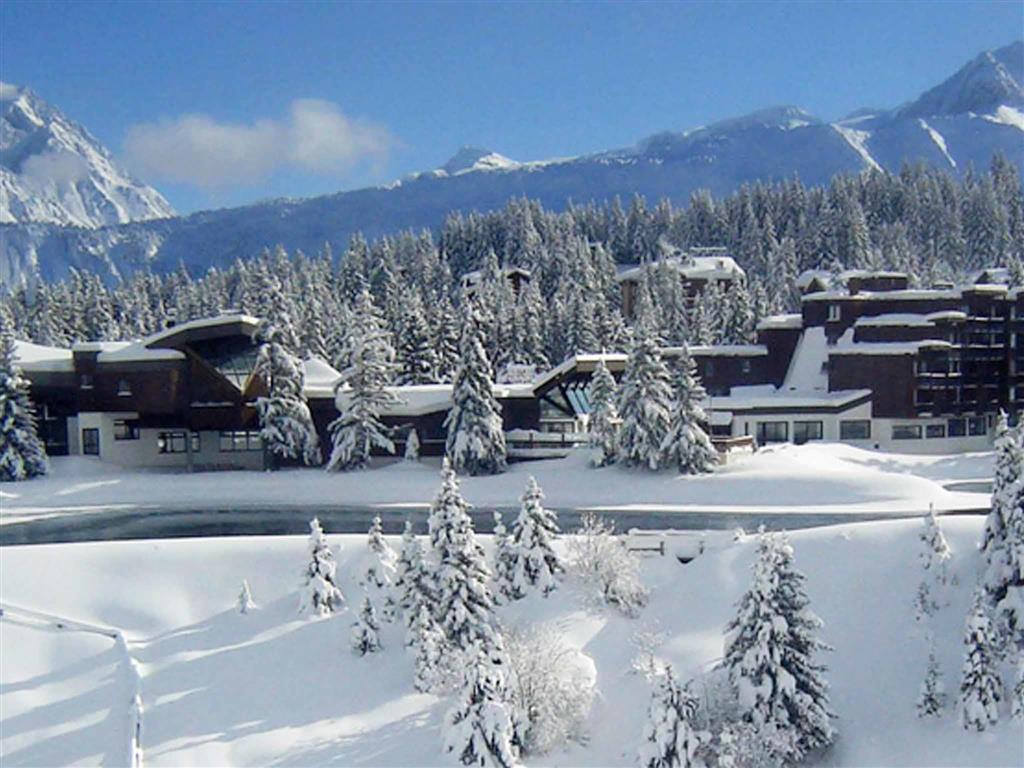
[(421, 399), (43, 359), (227, 318), (689, 267), (773, 322)]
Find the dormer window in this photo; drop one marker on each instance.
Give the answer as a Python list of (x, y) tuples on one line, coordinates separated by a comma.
[(833, 313), (124, 388)]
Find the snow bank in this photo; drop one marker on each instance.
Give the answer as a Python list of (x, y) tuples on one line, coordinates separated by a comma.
[(269, 688)]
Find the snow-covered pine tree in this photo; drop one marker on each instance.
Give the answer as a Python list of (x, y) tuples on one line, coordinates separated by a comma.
[(1008, 470), (412, 447), (604, 417), (417, 359), (504, 557), (669, 739), (358, 429), (769, 653), (480, 730), (364, 630), (687, 446), (245, 601), (380, 566), (476, 442), (22, 454), (932, 697), (320, 594), (412, 578), (981, 690), (286, 424), (534, 564), (935, 552), (464, 606), (427, 640), (645, 400)]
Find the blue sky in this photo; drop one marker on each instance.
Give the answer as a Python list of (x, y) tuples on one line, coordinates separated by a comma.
[(306, 98)]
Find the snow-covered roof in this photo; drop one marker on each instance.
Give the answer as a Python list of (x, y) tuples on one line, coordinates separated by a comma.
[(807, 367), (474, 277), (773, 322), (99, 346), (720, 350), (902, 294), (762, 396), (902, 320), (38, 357), (691, 268), (420, 399), (320, 378), (890, 348), (804, 280), (946, 314), (571, 362), (225, 318), (138, 352)]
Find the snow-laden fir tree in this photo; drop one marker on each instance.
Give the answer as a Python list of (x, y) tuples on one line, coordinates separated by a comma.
[(412, 579), (687, 445), (769, 653), (464, 606), (603, 425), (22, 454), (365, 638), (645, 401), (427, 642), (320, 593), (416, 357), (371, 360), (932, 696), (245, 601), (981, 690), (534, 564), (504, 558), (412, 447), (378, 574), (479, 730), (935, 553), (670, 739), (286, 424), (476, 441)]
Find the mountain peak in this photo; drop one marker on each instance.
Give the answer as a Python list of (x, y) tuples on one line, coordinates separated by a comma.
[(470, 158), (990, 80), (53, 170)]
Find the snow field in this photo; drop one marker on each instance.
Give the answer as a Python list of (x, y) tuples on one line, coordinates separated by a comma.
[(274, 688)]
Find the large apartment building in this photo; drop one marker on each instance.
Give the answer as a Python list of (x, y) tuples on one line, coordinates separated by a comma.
[(873, 363)]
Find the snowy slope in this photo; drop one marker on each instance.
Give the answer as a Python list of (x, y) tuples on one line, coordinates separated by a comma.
[(271, 688), (962, 122), (52, 170)]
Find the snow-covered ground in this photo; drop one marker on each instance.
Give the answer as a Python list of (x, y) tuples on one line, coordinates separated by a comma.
[(826, 477), (271, 688)]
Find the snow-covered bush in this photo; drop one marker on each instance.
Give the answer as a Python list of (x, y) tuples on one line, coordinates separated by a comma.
[(552, 686), (646, 661), (427, 641), (981, 690), (320, 594), (603, 568), (245, 601), (365, 629), (669, 739), (22, 454)]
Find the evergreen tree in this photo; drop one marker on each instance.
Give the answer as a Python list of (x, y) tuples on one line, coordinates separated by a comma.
[(769, 653), (533, 563), (286, 424), (320, 595), (412, 447), (504, 557), (479, 729), (604, 418), (476, 442), (687, 446), (669, 740), (464, 606), (412, 579), (644, 402), (22, 454), (427, 640), (935, 553), (932, 697), (417, 360), (380, 566), (364, 630), (358, 429), (980, 687)]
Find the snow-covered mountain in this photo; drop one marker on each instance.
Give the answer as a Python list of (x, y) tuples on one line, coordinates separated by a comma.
[(52, 170), (959, 123)]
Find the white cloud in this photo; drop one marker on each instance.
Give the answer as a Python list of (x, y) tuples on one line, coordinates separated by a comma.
[(196, 149), (53, 167)]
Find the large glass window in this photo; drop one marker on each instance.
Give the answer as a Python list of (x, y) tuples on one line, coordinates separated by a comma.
[(91, 442), (977, 426), (906, 431), (956, 428), (239, 440), (126, 429), (772, 432), (859, 429), (935, 430), (174, 442), (233, 357), (806, 430)]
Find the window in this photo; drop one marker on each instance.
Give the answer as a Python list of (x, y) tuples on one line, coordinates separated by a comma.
[(935, 430), (956, 428), (833, 312), (174, 442), (906, 432), (855, 430), (91, 442), (86, 381), (976, 426), (124, 388), (924, 396), (240, 440), (125, 429), (806, 430), (745, 366), (772, 432)]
